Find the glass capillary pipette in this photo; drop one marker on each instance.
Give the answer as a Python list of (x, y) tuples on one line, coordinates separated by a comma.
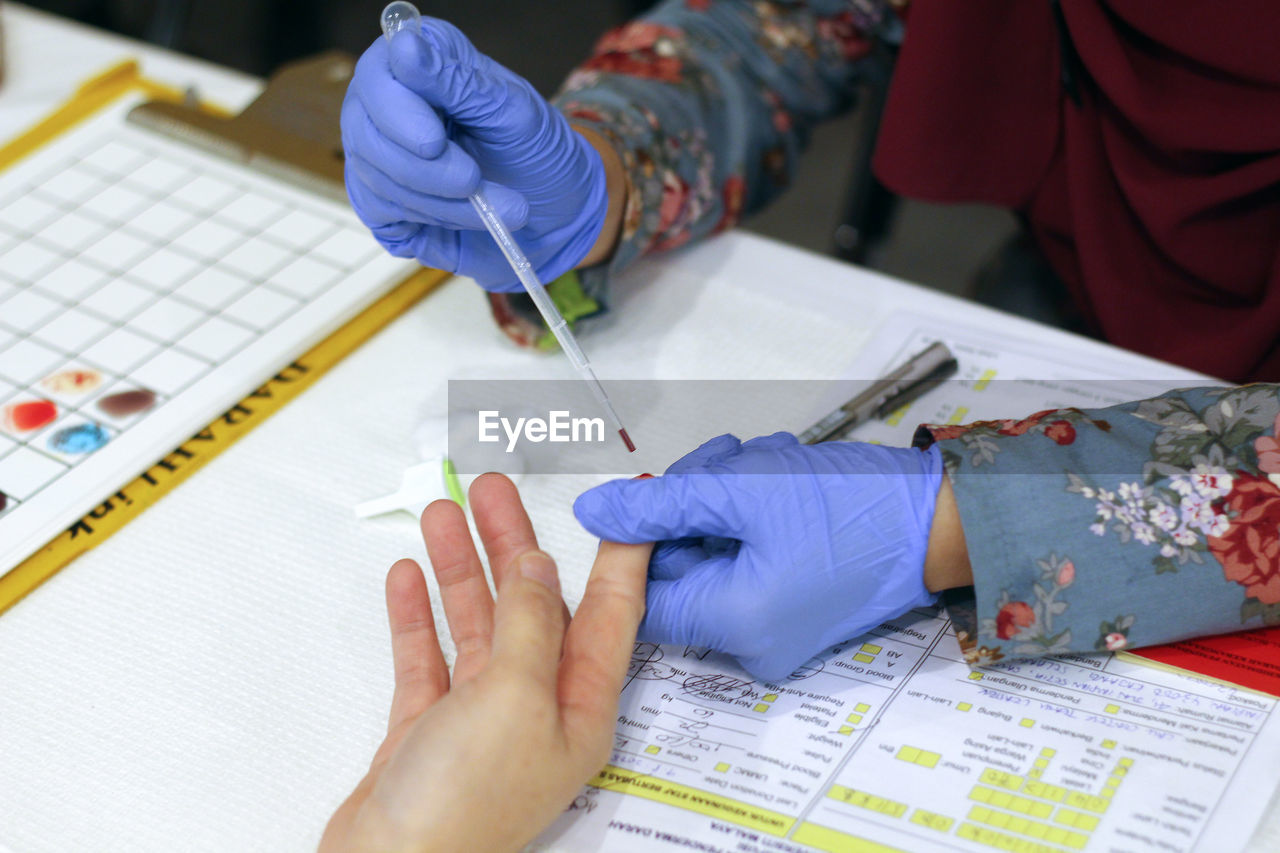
[(400, 15)]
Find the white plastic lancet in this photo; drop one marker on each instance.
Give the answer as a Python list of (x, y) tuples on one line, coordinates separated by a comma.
[(419, 486), (436, 477)]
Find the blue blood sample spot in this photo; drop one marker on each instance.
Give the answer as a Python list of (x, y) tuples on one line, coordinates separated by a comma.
[(81, 438)]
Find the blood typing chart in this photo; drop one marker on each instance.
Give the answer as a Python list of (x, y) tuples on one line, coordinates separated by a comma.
[(891, 742), (144, 288)]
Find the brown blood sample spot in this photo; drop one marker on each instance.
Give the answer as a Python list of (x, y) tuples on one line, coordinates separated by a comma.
[(124, 403)]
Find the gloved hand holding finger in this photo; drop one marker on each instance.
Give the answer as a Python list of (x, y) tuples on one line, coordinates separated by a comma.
[(830, 541)]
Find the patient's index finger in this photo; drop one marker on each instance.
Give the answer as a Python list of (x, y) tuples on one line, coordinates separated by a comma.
[(602, 634)]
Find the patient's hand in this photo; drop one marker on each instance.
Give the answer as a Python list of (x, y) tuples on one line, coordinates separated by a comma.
[(488, 759)]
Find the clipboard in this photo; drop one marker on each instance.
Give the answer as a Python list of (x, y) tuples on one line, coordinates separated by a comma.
[(299, 147), (290, 131)]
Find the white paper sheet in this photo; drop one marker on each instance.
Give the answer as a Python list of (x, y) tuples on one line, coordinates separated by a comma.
[(1000, 375), (890, 739)]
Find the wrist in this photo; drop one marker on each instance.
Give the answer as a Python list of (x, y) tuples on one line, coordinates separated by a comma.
[(616, 192), (946, 562), (565, 246)]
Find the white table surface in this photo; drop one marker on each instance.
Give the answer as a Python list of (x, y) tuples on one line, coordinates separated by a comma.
[(216, 675)]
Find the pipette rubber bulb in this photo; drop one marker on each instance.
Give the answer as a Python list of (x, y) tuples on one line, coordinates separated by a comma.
[(398, 16)]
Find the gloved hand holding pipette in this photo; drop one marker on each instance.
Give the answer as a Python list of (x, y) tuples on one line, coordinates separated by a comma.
[(421, 162), (409, 177)]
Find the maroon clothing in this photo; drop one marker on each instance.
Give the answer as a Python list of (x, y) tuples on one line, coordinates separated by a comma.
[(1156, 196)]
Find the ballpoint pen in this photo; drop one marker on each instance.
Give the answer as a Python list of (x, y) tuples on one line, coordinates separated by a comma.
[(923, 371)]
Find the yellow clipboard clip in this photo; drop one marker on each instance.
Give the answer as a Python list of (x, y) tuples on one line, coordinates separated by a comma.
[(92, 96), (290, 132)]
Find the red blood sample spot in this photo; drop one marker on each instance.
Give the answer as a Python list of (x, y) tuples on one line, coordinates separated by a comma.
[(29, 415), (626, 439)]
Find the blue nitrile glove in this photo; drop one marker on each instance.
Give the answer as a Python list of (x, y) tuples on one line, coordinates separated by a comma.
[(408, 176), (771, 551)]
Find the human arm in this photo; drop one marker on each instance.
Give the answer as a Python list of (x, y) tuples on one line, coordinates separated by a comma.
[(1104, 529), (616, 190), (719, 126), (709, 105), (946, 559), (529, 711), (1086, 531)]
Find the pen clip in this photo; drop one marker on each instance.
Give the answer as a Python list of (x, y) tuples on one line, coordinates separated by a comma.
[(918, 388)]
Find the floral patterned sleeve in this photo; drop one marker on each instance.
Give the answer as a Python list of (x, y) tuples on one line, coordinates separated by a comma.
[(709, 103), (1102, 529)]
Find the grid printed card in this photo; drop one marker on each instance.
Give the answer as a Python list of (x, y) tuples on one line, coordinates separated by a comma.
[(144, 287)]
